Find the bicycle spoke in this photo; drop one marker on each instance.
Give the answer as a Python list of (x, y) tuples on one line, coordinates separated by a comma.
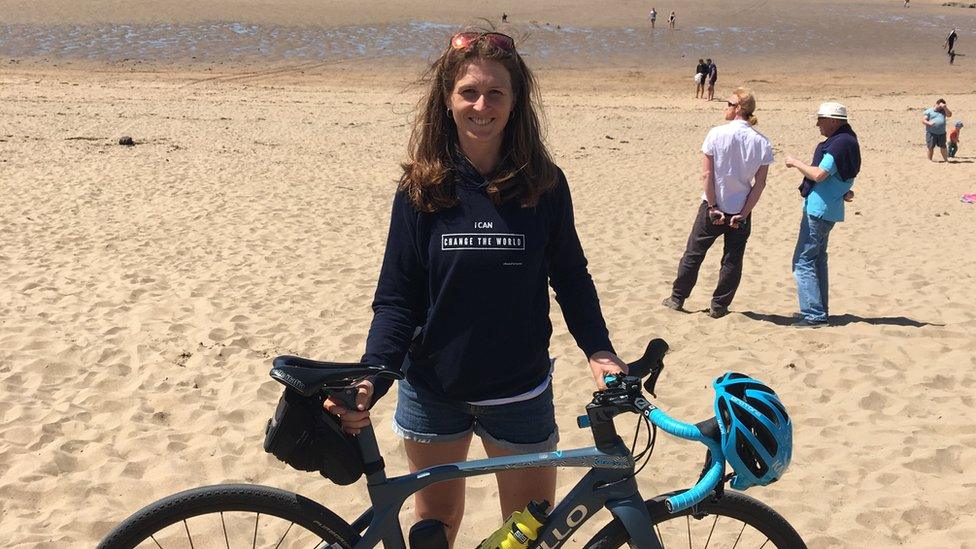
[(737, 538), (224, 526), (232, 517), (711, 532), (188, 536), (699, 534), (280, 541)]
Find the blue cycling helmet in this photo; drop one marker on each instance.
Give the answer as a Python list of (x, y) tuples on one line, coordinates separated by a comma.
[(757, 435)]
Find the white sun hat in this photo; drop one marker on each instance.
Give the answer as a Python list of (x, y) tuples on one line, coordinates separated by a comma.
[(831, 109)]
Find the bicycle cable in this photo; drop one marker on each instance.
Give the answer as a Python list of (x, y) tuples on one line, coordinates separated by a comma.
[(649, 448), (645, 453)]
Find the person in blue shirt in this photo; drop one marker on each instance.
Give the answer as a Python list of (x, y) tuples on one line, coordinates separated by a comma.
[(482, 225), (934, 120), (826, 185)]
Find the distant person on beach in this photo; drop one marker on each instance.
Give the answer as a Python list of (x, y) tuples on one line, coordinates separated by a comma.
[(735, 155), (906, 3), (653, 17), (671, 19), (504, 17), (950, 46), (826, 185), (701, 71), (934, 120), (712, 78), (954, 139), (482, 226)]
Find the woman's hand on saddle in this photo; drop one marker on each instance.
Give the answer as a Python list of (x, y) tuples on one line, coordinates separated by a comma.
[(353, 421), (605, 362)]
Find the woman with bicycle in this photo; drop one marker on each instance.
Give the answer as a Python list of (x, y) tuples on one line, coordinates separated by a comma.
[(482, 224)]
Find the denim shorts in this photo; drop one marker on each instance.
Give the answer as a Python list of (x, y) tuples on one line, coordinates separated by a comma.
[(521, 427)]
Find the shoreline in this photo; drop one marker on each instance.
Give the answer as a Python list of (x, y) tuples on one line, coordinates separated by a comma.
[(671, 82), (741, 35)]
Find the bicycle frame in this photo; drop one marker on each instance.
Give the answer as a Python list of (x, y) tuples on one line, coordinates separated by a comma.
[(610, 483)]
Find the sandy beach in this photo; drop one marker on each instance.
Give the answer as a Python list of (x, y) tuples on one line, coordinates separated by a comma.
[(144, 290)]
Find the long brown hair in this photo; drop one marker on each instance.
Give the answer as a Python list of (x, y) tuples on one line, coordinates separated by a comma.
[(526, 170)]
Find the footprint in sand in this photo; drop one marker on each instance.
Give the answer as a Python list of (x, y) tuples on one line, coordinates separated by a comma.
[(875, 401), (945, 460), (927, 518), (940, 382)]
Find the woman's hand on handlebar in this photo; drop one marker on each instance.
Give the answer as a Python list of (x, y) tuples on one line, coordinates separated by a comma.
[(353, 421), (605, 362)]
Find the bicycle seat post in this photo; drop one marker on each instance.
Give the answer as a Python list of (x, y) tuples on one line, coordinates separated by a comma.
[(372, 460)]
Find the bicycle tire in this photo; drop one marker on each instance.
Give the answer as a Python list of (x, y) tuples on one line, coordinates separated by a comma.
[(742, 509), (177, 510)]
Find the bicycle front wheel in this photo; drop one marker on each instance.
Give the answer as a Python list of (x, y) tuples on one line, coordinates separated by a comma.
[(734, 520), (231, 515)]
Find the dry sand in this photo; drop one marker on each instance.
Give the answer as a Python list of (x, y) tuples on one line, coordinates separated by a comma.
[(144, 290)]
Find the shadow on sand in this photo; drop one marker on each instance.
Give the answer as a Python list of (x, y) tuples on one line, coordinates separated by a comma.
[(842, 320)]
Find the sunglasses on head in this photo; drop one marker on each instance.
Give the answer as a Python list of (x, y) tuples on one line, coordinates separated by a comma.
[(731, 104), (464, 40)]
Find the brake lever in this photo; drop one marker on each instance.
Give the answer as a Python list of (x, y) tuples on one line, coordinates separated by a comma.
[(651, 382), (651, 363)]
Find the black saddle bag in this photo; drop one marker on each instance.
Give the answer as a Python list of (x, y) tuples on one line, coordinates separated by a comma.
[(306, 437)]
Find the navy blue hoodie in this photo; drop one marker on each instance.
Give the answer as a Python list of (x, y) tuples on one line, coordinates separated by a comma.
[(474, 278)]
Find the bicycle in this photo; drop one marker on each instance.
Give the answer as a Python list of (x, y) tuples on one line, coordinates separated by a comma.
[(708, 507)]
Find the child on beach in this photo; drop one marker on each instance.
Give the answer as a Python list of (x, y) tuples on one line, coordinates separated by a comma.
[(954, 139)]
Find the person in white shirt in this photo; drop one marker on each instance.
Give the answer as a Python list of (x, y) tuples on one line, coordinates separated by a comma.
[(735, 155)]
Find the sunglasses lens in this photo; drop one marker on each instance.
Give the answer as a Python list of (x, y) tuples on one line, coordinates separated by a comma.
[(501, 41), (464, 40)]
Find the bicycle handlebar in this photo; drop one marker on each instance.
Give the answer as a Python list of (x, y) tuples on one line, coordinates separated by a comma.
[(699, 491), (716, 468), (653, 363)]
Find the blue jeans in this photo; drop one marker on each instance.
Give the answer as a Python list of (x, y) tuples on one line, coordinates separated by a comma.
[(810, 267)]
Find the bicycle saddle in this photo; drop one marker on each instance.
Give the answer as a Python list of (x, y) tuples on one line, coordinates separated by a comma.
[(308, 377)]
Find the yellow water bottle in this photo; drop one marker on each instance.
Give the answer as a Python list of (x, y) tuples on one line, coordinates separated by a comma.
[(520, 530)]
